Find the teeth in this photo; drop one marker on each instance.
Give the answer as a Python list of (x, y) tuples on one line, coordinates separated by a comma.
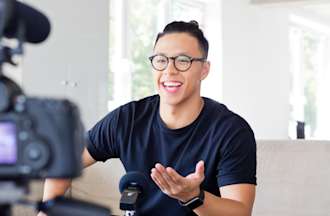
[(172, 84)]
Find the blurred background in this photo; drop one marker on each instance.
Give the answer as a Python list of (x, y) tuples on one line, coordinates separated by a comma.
[(270, 62), (270, 58)]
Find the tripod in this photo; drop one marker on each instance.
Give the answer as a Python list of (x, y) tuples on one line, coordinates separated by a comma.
[(11, 192)]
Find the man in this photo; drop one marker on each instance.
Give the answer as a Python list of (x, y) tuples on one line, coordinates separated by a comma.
[(200, 157)]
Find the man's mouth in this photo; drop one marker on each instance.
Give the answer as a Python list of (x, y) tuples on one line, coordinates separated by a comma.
[(172, 86)]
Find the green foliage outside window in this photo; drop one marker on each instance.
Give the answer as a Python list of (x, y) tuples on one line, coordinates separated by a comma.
[(140, 18), (142, 21), (310, 46)]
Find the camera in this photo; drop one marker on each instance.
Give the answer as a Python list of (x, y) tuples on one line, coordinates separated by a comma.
[(40, 138)]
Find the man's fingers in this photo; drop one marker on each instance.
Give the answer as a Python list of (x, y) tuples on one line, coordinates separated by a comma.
[(163, 171), (176, 177), (156, 181), (160, 167), (175, 185), (160, 179), (199, 171)]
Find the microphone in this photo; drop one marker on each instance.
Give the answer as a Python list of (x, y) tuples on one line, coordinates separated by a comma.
[(36, 25), (5, 12), (133, 187)]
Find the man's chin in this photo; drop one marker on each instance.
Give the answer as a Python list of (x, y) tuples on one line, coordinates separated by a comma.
[(170, 100)]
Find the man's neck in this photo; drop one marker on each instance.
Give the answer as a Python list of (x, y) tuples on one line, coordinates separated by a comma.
[(181, 115)]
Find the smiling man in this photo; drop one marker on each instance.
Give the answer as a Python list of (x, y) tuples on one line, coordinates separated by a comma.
[(200, 156)]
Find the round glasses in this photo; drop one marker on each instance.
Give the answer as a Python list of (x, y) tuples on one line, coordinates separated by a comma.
[(181, 62)]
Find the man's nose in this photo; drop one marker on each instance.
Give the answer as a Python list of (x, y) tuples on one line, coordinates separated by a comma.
[(170, 69)]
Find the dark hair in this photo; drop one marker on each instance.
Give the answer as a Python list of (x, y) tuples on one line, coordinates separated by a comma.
[(191, 28)]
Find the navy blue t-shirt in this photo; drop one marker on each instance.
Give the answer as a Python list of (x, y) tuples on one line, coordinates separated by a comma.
[(136, 134)]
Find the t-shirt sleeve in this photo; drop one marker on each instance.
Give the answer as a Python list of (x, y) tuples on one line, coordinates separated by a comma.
[(101, 142), (237, 164)]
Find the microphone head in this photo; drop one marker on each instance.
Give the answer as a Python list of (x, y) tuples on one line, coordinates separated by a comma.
[(37, 25), (134, 179), (6, 9)]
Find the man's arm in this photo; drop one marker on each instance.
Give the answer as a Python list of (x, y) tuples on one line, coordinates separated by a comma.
[(57, 187), (236, 200)]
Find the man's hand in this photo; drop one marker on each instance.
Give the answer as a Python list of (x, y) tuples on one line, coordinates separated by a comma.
[(177, 186), (57, 187)]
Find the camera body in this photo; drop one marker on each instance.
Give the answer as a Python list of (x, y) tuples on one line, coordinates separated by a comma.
[(40, 138)]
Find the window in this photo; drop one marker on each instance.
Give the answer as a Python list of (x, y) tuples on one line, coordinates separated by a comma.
[(310, 55), (133, 28)]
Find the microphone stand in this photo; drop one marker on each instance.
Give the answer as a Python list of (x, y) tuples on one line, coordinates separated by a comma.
[(130, 213), (129, 200), (5, 210), (11, 192)]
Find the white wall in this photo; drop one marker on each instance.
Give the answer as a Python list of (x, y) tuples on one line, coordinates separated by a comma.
[(76, 51), (212, 85), (256, 61), (254, 65), (286, 1), (256, 76)]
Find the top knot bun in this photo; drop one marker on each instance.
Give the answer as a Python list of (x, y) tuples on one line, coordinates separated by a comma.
[(194, 22)]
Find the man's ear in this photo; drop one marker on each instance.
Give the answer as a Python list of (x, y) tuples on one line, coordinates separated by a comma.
[(205, 70)]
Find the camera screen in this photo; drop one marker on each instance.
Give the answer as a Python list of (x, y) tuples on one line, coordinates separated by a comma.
[(8, 145)]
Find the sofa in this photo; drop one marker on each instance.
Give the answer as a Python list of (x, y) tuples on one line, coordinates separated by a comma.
[(293, 180)]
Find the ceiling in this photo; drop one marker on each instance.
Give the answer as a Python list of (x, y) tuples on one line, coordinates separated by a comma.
[(319, 9)]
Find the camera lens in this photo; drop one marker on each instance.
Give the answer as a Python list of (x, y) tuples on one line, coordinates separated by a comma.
[(34, 154)]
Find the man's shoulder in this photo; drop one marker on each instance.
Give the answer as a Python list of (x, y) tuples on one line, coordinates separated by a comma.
[(136, 108), (139, 106), (150, 100), (221, 114)]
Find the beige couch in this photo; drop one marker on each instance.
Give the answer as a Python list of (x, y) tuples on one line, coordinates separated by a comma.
[(293, 179)]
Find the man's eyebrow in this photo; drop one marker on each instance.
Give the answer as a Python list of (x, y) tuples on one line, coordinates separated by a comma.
[(185, 54), (179, 54), (159, 53)]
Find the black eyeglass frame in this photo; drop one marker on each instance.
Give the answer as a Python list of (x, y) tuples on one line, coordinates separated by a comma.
[(174, 58)]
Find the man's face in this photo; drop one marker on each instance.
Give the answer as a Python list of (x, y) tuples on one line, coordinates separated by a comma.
[(173, 86)]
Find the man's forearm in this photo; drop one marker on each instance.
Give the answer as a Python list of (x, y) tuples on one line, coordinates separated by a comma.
[(55, 187), (216, 206)]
